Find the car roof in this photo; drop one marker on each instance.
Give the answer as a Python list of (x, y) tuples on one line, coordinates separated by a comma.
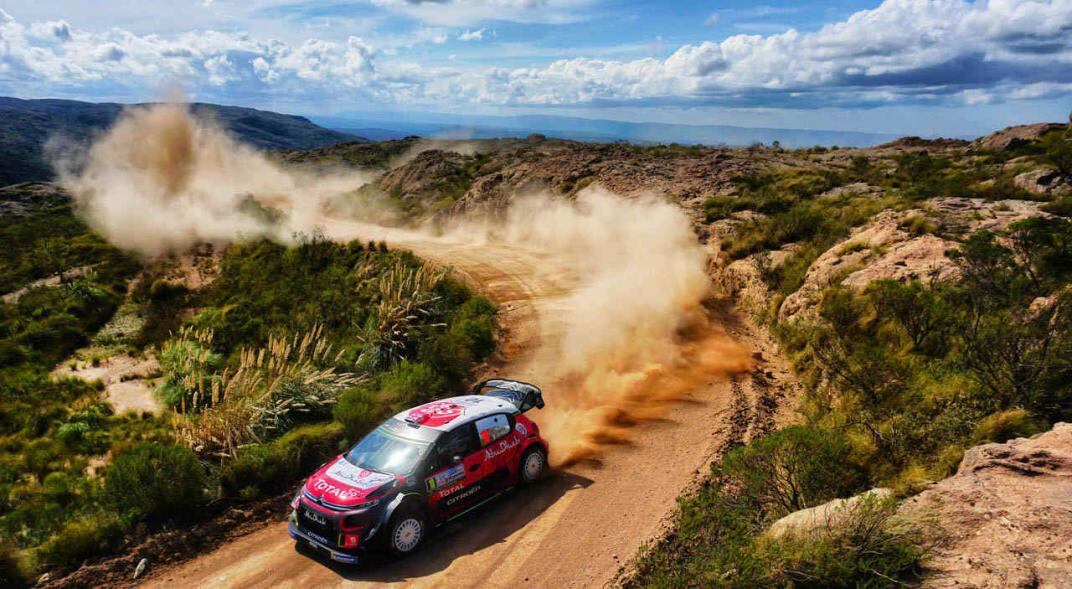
[(447, 414)]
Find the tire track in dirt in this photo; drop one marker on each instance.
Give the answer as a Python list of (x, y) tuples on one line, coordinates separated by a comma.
[(577, 529)]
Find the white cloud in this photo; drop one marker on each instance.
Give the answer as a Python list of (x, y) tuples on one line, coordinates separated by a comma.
[(713, 19), (923, 49), (469, 12), (477, 35), (904, 50)]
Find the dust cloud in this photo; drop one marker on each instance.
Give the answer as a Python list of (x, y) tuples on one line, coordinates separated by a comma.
[(634, 334), (160, 181), (630, 337)]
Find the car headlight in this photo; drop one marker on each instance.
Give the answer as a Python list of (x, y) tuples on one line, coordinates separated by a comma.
[(297, 498), (367, 505)]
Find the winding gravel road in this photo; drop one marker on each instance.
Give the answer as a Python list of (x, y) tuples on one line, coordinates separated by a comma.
[(576, 529)]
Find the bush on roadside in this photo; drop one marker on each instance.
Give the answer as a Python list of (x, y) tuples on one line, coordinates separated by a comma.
[(155, 482), (358, 411), (82, 538), (794, 468), (265, 469), (12, 572), (865, 548)]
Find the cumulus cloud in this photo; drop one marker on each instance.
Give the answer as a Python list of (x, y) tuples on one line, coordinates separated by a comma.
[(950, 51), (477, 35), (919, 49)]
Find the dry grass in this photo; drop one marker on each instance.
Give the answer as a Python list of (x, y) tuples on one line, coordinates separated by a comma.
[(288, 376), (406, 296)]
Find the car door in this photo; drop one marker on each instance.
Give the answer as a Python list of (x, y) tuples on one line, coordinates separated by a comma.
[(498, 443), (456, 479)]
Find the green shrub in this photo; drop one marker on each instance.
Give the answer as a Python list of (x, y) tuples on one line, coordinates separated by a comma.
[(12, 571), (794, 468), (263, 469), (358, 411), (82, 538), (865, 548), (155, 482), (918, 225), (1008, 424), (411, 383), (1057, 151)]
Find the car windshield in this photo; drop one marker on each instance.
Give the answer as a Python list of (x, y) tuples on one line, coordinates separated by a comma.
[(383, 452)]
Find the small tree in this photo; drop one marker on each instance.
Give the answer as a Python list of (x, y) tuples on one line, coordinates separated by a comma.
[(920, 311)]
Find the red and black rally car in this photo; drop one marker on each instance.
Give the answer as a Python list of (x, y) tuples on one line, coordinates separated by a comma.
[(422, 467)]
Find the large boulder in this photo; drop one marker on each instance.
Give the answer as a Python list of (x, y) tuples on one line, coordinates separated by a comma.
[(823, 517), (1006, 516), (1043, 181)]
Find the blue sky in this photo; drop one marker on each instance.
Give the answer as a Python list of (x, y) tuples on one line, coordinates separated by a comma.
[(928, 67)]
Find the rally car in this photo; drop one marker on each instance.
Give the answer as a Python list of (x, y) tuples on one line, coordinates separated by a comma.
[(420, 468)]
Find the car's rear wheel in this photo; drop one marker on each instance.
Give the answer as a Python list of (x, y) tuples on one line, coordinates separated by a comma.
[(533, 465), (406, 530)]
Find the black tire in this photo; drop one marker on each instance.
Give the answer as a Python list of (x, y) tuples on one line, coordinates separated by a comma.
[(406, 531), (533, 465)]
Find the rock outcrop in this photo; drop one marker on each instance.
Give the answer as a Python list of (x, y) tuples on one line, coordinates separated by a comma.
[(1044, 181), (887, 249), (19, 200), (1006, 516), (1013, 136)]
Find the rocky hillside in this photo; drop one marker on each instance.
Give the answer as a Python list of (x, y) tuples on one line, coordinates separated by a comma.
[(29, 124), (921, 290)]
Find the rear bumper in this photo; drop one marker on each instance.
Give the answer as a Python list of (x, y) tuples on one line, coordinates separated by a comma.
[(301, 535)]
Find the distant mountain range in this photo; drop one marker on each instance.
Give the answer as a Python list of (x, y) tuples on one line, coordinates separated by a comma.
[(27, 124), (379, 126)]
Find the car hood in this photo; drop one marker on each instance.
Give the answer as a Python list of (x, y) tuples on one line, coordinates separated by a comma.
[(344, 485)]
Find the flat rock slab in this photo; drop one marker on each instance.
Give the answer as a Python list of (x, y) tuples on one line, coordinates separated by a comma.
[(1006, 515)]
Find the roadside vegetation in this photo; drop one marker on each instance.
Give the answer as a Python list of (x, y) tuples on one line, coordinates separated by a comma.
[(899, 379), (287, 356)]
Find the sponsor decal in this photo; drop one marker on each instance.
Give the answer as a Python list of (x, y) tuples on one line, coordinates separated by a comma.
[(449, 491), (339, 493), (446, 477), (501, 447), (521, 429), (317, 537), (436, 414), (348, 474), (463, 495), (316, 517)]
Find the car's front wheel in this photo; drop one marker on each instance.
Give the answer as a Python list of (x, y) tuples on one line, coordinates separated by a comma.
[(406, 531), (533, 465)]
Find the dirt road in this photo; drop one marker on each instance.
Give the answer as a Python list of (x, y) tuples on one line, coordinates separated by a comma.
[(575, 529)]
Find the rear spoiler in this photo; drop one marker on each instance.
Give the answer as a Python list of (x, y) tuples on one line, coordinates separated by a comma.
[(522, 395)]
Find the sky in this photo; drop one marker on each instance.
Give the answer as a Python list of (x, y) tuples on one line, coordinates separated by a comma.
[(925, 67)]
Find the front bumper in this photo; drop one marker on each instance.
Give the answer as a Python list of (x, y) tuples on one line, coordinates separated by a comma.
[(304, 536)]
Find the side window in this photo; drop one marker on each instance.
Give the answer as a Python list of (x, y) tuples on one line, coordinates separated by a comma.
[(456, 443), (492, 428)]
